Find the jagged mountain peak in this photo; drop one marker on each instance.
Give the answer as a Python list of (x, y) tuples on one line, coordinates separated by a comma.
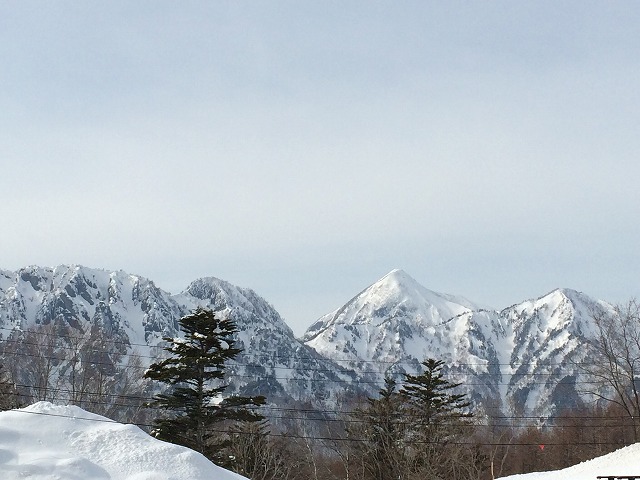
[(395, 298), (59, 277), (137, 316), (562, 308), (219, 294), (398, 321), (390, 326)]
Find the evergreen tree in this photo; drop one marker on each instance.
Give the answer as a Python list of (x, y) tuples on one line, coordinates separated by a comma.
[(195, 371), (430, 395), (438, 419), (379, 433), (413, 433)]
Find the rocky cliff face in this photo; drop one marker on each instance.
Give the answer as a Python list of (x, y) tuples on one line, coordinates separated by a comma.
[(549, 337), (525, 358), (135, 315)]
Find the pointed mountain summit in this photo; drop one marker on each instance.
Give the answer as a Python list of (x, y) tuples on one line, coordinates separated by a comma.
[(395, 296), (549, 338), (396, 323), (525, 355), (525, 358)]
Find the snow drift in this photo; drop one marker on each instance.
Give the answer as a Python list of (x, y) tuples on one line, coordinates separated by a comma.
[(625, 461), (49, 442)]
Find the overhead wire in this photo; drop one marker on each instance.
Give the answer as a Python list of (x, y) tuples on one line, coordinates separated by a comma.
[(347, 439), (297, 368)]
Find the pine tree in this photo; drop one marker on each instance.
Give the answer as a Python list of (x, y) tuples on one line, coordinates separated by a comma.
[(438, 419), (414, 432), (429, 395), (379, 433), (195, 371)]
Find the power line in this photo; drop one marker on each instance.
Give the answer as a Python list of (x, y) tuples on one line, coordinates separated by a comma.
[(93, 398), (335, 438), (307, 379)]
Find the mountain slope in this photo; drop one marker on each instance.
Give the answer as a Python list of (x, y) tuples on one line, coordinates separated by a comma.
[(134, 315), (551, 336), (273, 362), (524, 358), (395, 324)]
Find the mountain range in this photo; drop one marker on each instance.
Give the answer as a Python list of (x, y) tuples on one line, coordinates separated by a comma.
[(524, 358)]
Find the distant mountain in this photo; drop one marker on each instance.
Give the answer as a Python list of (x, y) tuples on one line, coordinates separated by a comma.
[(273, 362), (546, 339), (136, 315), (396, 323), (523, 358)]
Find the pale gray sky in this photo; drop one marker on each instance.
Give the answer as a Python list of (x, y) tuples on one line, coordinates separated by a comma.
[(306, 148)]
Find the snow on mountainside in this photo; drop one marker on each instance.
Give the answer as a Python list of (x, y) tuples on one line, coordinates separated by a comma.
[(136, 315), (396, 323), (273, 363), (550, 337), (523, 357), (48, 442)]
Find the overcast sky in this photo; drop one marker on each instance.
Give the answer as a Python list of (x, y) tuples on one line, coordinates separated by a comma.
[(306, 148)]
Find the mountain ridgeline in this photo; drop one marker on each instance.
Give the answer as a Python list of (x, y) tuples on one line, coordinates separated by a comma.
[(525, 358)]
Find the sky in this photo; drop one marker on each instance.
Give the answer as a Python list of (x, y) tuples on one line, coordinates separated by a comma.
[(304, 149)]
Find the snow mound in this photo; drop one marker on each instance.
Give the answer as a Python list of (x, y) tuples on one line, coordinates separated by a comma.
[(625, 461), (51, 442)]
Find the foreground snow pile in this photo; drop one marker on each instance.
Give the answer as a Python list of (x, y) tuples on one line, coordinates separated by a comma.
[(625, 461), (49, 442)]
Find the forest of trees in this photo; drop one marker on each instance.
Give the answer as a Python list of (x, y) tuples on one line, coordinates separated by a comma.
[(418, 426)]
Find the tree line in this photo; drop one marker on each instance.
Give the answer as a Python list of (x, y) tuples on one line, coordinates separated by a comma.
[(419, 427)]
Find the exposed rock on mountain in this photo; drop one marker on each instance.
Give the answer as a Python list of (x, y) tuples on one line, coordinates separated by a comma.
[(525, 358), (395, 324), (549, 338), (134, 315)]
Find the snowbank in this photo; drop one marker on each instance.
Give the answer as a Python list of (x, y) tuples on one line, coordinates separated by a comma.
[(49, 442), (625, 461)]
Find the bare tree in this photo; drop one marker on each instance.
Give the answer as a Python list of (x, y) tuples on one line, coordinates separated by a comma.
[(613, 374), (32, 357), (260, 455), (8, 393)]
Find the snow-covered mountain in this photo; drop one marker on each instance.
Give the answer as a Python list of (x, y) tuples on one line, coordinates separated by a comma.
[(135, 315), (549, 338), (396, 323), (273, 362), (523, 358)]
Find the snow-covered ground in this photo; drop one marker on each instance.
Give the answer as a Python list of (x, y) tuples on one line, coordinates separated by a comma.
[(49, 442), (623, 462)]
